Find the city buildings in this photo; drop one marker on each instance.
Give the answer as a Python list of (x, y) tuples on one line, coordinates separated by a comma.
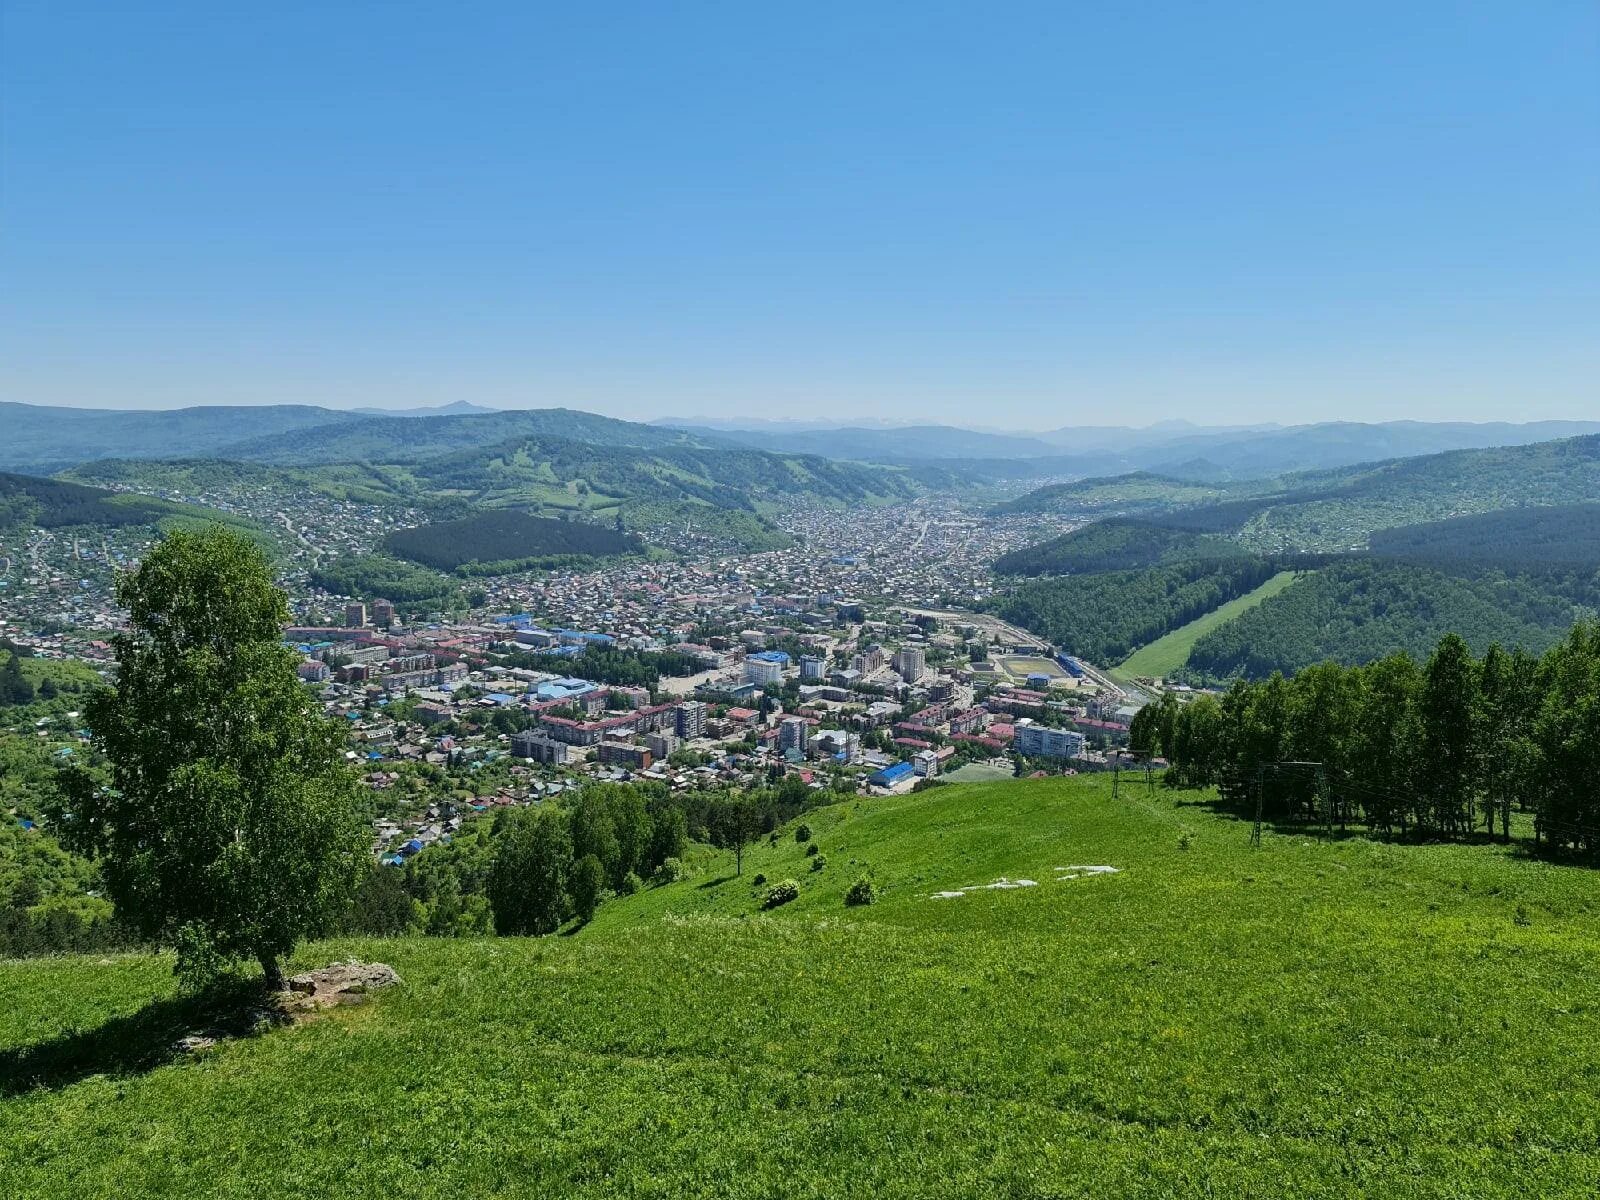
[(911, 663), (765, 666), (533, 745), (1040, 741)]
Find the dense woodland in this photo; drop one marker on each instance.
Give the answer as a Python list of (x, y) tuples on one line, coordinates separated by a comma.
[(1451, 747), (407, 584), (529, 871), (608, 664), (1115, 544), (1559, 535), (1106, 616), (51, 503), (501, 540), (1359, 610)]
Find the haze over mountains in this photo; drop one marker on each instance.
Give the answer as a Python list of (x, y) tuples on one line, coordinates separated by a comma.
[(44, 439)]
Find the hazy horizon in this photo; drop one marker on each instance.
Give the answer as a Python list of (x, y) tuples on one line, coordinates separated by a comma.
[(1021, 218)]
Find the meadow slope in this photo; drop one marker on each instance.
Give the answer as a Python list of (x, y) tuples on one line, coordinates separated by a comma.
[(1312, 1018)]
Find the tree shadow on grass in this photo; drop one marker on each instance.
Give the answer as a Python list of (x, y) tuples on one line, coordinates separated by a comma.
[(717, 882), (133, 1044)]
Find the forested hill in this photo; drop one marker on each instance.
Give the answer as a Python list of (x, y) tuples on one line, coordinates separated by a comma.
[(725, 477), (1116, 544), (28, 500), (1338, 510), (46, 439), (415, 439), (1357, 611), (507, 540)]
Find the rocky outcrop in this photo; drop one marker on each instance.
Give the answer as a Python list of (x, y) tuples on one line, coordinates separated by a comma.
[(333, 985)]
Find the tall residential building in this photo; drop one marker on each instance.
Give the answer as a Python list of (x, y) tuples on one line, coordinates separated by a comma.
[(793, 734), (868, 661), (812, 667), (382, 613), (692, 719), (1040, 741), (911, 663), (355, 615)]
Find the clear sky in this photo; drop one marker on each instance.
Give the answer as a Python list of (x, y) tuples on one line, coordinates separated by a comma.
[(1020, 215)]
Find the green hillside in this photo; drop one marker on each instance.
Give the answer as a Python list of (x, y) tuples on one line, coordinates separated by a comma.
[(1115, 544), (1338, 508), (1307, 1019), (1170, 652), (1359, 610)]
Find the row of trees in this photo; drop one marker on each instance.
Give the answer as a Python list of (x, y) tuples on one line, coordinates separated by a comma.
[(549, 865), (1442, 748)]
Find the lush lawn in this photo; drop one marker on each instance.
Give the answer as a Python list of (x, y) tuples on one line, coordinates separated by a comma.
[(1307, 1019), (1166, 654)]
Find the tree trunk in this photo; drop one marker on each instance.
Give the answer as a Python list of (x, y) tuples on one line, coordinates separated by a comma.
[(271, 972)]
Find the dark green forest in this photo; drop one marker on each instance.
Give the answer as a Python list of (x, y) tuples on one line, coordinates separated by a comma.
[(1115, 544), (1359, 610), (1104, 617), (1452, 747), (508, 540), (384, 575), (52, 503), (1560, 535)]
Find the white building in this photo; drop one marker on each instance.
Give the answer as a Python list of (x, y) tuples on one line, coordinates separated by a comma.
[(1040, 741)]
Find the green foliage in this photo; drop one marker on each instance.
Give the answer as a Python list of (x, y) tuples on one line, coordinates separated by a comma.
[(1562, 536), (1115, 544), (416, 587), (588, 878), (527, 881), (504, 540), (781, 893), (618, 666), (53, 503), (1356, 611), (230, 829), (802, 833), (1443, 750), (1103, 617), (1310, 1018), (860, 893)]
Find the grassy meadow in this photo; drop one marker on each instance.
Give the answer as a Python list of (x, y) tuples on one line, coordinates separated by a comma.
[(1168, 653), (1343, 1018)]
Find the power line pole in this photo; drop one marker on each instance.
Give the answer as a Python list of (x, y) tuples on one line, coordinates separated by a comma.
[(1116, 771), (1261, 775)]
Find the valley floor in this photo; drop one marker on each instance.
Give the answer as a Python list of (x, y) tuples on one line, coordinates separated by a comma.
[(1312, 1018)]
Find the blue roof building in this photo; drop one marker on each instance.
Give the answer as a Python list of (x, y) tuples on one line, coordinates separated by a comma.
[(891, 775)]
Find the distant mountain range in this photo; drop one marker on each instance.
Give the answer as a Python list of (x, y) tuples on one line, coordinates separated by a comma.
[(42, 439), (1174, 448)]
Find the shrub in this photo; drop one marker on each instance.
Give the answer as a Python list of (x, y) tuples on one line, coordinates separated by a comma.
[(631, 883), (759, 881), (1185, 840), (802, 833), (782, 893), (819, 862), (671, 870), (811, 849), (861, 892)]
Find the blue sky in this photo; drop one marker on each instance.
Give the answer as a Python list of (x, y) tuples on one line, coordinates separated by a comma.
[(1018, 215)]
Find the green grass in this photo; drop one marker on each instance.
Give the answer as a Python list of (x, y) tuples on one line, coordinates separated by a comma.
[(1307, 1019), (1166, 654)]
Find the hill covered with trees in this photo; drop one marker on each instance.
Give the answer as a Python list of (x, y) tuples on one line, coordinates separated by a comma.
[(1115, 544), (501, 540), (1353, 612), (1104, 617)]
